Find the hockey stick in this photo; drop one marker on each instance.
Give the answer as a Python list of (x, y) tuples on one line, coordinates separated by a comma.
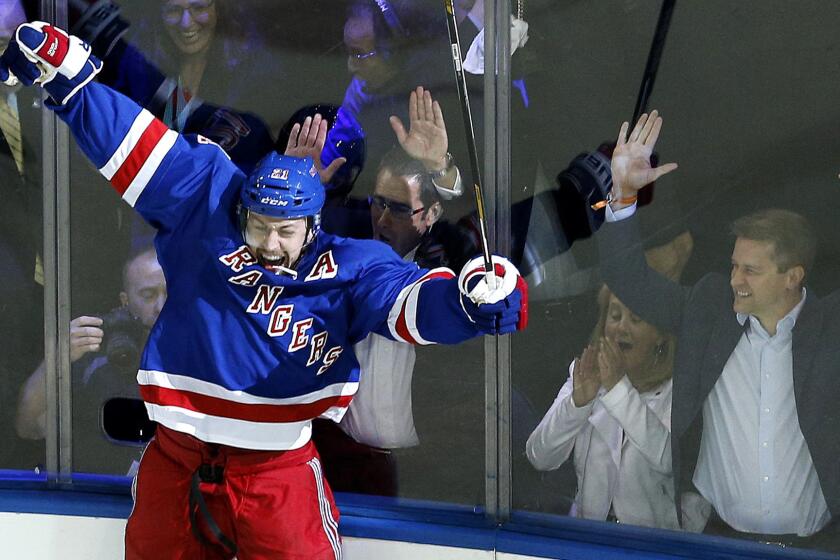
[(463, 97), (663, 24), (654, 56)]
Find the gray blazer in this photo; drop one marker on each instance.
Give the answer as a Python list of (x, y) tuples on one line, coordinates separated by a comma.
[(707, 331)]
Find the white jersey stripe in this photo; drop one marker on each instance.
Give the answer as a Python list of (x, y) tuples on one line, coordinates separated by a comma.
[(135, 188), (327, 520), (267, 436), (141, 122), (408, 299), (411, 315), (184, 383), (394, 315)]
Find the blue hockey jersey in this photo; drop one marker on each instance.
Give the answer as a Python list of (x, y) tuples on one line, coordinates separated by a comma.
[(239, 355)]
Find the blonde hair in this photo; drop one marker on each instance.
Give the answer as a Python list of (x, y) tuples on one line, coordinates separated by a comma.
[(661, 363)]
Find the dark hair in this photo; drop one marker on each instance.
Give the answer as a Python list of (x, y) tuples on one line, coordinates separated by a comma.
[(400, 24), (133, 255), (400, 163), (224, 48), (793, 238)]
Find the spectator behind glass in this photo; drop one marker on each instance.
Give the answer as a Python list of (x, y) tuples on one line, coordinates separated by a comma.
[(208, 47), (344, 152), (191, 64), (104, 352), (755, 393), (357, 453), (404, 212), (614, 411), (394, 48)]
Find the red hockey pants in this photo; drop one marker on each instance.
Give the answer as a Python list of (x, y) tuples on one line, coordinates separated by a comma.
[(270, 504)]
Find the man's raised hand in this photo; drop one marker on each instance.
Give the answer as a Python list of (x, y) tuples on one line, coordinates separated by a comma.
[(426, 139), (631, 168), (307, 139)]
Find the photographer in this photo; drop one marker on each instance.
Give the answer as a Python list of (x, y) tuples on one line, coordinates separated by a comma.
[(111, 347)]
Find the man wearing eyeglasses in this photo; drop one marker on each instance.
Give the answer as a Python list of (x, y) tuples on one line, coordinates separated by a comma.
[(358, 453)]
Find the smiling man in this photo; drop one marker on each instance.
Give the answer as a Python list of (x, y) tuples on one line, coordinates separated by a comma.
[(756, 368)]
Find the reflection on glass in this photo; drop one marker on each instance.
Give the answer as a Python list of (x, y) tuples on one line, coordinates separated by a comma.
[(614, 413), (21, 295), (751, 317), (105, 368)]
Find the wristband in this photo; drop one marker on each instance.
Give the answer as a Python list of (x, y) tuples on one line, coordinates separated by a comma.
[(446, 167), (610, 199)]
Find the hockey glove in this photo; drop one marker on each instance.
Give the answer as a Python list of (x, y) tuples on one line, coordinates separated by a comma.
[(47, 56), (494, 310)]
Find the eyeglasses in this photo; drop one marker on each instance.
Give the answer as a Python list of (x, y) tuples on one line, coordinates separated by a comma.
[(199, 11), (397, 209), (362, 56)]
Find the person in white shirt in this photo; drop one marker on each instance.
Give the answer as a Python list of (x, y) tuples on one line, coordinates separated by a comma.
[(755, 416), (614, 412), (356, 453)]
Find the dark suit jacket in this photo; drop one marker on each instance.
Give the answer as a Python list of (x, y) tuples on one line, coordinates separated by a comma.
[(702, 318)]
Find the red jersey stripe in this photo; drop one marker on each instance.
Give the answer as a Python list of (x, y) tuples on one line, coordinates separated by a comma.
[(138, 156), (402, 326)]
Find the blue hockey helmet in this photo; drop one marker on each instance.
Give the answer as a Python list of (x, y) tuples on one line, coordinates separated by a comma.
[(284, 187)]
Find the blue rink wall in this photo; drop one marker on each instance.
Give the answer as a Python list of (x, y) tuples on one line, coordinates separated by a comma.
[(39, 524)]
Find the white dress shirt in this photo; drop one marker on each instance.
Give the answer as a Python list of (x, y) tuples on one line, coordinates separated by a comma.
[(380, 415), (622, 455), (754, 464)]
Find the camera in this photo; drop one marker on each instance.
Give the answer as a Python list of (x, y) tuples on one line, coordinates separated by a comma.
[(124, 337)]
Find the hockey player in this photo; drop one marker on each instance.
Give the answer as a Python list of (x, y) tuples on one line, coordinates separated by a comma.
[(255, 339)]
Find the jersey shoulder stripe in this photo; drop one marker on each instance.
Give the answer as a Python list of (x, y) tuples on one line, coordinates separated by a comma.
[(138, 156), (402, 320)]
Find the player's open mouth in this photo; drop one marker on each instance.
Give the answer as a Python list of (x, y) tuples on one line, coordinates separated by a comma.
[(625, 346), (273, 260), (742, 294)]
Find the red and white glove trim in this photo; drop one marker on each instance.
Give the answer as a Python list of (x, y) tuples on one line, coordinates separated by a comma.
[(505, 277), (58, 53)]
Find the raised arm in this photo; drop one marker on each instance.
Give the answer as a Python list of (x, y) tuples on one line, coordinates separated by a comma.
[(648, 432), (408, 304), (630, 165), (650, 295), (552, 441), (133, 150)]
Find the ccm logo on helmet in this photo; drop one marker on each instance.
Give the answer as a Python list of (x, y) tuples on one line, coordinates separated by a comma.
[(273, 201), (282, 174)]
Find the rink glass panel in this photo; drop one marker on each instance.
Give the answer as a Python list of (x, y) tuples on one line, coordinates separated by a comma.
[(21, 253), (747, 98), (261, 70), (748, 101)]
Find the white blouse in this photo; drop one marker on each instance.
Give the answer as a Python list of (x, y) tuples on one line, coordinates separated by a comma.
[(622, 454)]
